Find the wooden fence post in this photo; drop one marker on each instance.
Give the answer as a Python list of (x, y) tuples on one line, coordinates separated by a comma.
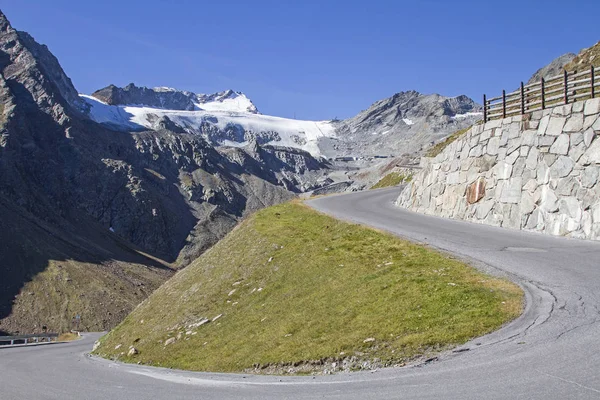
[(503, 103), (522, 99), (592, 72), (485, 109), (543, 93), (566, 81)]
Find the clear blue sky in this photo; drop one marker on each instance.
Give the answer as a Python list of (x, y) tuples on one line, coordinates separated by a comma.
[(315, 59)]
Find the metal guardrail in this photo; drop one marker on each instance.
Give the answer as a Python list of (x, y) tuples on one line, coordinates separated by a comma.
[(33, 338)]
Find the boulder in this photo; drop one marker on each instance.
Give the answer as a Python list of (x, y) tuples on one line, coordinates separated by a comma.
[(535, 220), (512, 157), (549, 201), (543, 126), (567, 186), (592, 154), (561, 167), (511, 192), (484, 208), (527, 205), (561, 145), (503, 170), (574, 124), (555, 126), (493, 146), (476, 191), (576, 152), (570, 206), (592, 107), (589, 176), (588, 137), (543, 173), (532, 158)]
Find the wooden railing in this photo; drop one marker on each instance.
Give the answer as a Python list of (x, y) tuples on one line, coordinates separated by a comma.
[(24, 339), (565, 88)]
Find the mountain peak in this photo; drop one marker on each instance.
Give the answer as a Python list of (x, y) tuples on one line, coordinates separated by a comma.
[(168, 98), (33, 66), (555, 67), (140, 95)]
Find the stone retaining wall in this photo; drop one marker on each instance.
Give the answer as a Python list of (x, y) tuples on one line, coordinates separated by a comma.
[(538, 172)]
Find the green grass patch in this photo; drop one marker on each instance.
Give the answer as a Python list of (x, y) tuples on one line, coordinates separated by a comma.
[(439, 147), (392, 179), (291, 287)]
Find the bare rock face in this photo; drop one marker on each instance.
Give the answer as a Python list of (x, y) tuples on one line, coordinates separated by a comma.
[(156, 98), (88, 202), (585, 59), (404, 123), (542, 176), (32, 71), (554, 68), (164, 97), (476, 191)]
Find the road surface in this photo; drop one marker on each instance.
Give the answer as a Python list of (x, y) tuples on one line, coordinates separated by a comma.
[(551, 352)]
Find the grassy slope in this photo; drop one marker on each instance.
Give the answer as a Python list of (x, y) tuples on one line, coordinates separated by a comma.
[(64, 270), (293, 285), (392, 179)]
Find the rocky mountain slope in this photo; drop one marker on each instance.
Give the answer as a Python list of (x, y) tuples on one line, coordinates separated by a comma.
[(173, 99), (110, 208), (404, 123), (585, 59), (571, 62), (555, 67)]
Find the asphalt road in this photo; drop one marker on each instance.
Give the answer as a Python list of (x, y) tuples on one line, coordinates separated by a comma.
[(551, 352)]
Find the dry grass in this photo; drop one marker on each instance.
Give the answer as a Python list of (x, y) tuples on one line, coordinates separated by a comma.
[(439, 147), (585, 59), (68, 337), (103, 294), (392, 179)]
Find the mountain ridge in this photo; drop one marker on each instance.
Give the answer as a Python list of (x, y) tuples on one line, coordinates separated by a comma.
[(92, 214), (437, 116), (173, 99)]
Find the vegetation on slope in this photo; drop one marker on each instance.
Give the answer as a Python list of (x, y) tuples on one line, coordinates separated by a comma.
[(63, 270), (392, 179), (439, 147), (293, 291), (585, 59)]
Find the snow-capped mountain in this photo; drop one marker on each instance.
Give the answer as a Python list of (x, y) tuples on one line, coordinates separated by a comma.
[(225, 118), (404, 123), (173, 99)]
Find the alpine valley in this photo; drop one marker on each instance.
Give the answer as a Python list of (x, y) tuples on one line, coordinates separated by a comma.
[(104, 196)]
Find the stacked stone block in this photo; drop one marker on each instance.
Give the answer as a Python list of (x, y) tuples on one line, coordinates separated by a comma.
[(539, 171)]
